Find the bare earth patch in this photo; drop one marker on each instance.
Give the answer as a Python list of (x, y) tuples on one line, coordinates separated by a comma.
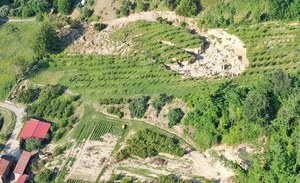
[(191, 165), (92, 158), (106, 9), (223, 56)]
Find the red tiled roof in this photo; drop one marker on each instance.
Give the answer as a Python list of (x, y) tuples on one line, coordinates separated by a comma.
[(22, 178), (4, 164), (22, 163), (35, 129)]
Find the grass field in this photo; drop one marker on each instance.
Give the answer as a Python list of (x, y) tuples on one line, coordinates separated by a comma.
[(17, 38), (8, 126)]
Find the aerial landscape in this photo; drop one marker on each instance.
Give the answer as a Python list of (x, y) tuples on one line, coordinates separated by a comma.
[(150, 91)]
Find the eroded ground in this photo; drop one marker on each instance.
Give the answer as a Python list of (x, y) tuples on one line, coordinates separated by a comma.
[(224, 54)]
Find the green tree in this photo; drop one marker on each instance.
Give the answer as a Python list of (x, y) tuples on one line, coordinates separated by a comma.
[(188, 8), (256, 108), (44, 176), (175, 116), (40, 6), (281, 84), (159, 102), (138, 106), (46, 41), (27, 96), (32, 144), (4, 11), (65, 6)]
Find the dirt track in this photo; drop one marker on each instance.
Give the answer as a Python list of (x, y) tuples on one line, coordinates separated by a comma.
[(12, 145)]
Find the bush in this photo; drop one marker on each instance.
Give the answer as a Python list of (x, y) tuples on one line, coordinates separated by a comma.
[(115, 111), (65, 6), (188, 8), (30, 144), (46, 41), (159, 102), (86, 13), (148, 143), (45, 176), (27, 96), (175, 116), (99, 26), (4, 11), (138, 106)]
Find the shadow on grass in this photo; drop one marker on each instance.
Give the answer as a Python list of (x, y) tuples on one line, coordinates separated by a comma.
[(3, 21)]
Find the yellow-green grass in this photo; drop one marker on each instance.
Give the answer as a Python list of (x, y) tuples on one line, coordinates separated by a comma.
[(16, 42), (8, 126)]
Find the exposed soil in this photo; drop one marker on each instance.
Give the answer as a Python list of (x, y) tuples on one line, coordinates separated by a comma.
[(191, 165), (92, 158), (224, 54), (106, 9)]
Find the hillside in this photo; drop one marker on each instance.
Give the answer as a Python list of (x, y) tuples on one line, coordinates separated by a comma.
[(165, 91)]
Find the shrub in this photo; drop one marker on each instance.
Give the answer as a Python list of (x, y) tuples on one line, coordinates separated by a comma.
[(115, 111), (4, 11), (138, 106), (86, 14), (159, 102), (99, 26), (148, 143), (65, 6), (27, 96), (188, 8), (30, 144), (45, 176), (175, 116), (46, 41)]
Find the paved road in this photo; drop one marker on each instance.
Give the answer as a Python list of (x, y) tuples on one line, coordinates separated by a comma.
[(16, 20), (12, 145)]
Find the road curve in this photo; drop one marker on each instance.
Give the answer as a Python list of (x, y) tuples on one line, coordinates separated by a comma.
[(12, 145)]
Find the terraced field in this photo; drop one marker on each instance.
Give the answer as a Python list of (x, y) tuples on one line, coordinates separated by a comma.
[(271, 46), (99, 77), (163, 41)]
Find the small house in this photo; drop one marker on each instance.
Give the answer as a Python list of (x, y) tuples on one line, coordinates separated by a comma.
[(21, 165), (4, 169)]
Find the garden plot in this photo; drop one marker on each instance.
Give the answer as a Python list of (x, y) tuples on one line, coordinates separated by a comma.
[(193, 164), (92, 158)]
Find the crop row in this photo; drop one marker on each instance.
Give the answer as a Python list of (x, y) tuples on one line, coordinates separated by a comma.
[(77, 181)]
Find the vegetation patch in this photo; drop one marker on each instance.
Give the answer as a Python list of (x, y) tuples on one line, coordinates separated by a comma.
[(175, 116), (148, 143), (17, 56)]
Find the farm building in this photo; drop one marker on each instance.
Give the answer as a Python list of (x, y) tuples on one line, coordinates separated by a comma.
[(35, 129), (22, 178), (22, 164), (4, 169)]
